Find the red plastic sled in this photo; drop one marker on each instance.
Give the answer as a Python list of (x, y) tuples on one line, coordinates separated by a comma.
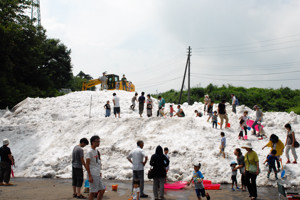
[(175, 186), (212, 186), (250, 123)]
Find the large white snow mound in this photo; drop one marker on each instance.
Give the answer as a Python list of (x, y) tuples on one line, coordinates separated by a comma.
[(43, 133)]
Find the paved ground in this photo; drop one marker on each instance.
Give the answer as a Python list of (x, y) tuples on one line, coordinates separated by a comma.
[(54, 189)]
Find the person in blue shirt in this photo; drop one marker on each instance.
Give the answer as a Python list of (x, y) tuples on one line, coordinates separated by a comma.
[(198, 181), (272, 159), (161, 104)]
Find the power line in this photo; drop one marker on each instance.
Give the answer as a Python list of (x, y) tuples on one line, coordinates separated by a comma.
[(247, 44), (249, 52), (160, 83), (248, 74), (247, 80)]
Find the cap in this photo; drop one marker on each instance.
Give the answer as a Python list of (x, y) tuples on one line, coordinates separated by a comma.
[(5, 141), (233, 163), (197, 163), (256, 106)]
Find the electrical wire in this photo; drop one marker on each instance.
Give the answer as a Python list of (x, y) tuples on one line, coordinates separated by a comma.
[(258, 74), (246, 80)]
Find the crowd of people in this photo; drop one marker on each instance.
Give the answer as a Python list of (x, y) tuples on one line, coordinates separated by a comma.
[(247, 165)]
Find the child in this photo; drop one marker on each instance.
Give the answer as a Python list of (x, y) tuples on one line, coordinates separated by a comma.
[(136, 190), (198, 114), (107, 109), (198, 181), (129, 86), (244, 127), (166, 151), (133, 100), (223, 144), (233, 175), (215, 119), (271, 162), (171, 110), (210, 110), (117, 85), (241, 129)]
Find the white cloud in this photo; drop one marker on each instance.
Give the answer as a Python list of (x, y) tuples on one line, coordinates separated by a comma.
[(147, 40)]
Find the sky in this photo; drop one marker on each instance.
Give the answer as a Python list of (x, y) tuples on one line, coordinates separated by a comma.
[(250, 43)]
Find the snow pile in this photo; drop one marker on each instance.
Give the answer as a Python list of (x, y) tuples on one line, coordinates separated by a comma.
[(43, 133)]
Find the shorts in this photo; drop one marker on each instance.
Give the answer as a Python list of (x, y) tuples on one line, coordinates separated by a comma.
[(77, 177), (210, 114), (171, 114), (97, 184), (233, 178), (200, 192), (117, 110)]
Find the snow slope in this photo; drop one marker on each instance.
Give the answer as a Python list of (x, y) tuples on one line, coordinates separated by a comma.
[(43, 133)]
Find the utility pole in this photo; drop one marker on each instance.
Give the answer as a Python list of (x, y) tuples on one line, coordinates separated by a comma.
[(36, 11), (186, 66), (189, 77)]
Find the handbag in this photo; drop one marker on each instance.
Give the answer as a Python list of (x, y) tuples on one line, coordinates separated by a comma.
[(150, 173), (296, 144)]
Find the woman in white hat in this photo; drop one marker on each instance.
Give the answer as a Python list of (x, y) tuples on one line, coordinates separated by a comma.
[(252, 170)]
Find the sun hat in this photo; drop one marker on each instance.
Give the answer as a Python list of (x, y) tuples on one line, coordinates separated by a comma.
[(233, 163), (5, 141), (197, 163), (247, 145)]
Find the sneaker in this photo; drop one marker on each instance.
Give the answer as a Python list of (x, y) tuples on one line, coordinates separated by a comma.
[(144, 196), (8, 184), (237, 188), (232, 189), (288, 162), (295, 162)]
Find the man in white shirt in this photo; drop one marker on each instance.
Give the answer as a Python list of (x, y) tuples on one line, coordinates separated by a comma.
[(103, 80), (233, 103), (136, 157), (93, 168), (116, 101)]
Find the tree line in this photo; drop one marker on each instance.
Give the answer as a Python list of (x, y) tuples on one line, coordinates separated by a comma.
[(32, 65), (282, 99)]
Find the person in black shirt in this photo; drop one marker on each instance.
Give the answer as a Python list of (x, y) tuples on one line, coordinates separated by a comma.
[(222, 113), (5, 164), (141, 104), (107, 109)]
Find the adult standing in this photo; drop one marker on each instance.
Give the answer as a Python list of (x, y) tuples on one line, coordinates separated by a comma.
[(124, 82), (275, 144), (290, 144), (222, 113), (116, 101), (138, 159), (149, 106), (206, 101), (103, 80), (161, 104), (77, 170), (241, 166), (159, 162), (233, 103), (141, 101), (259, 117), (6, 162), (252, 170), (93, 168)]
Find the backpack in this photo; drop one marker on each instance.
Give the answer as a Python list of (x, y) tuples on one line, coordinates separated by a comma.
[(237, 102)]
